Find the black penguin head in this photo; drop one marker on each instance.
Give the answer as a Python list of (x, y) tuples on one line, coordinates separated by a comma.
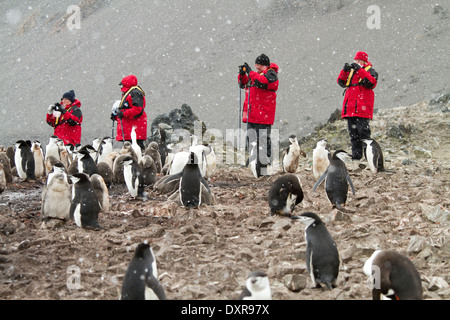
[(308, 218), (143, 251), (79, 178), (193, 160), (128, 160), (341, 155)]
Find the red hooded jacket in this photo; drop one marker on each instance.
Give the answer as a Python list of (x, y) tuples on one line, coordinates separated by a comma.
[(132, 106), (68, 125), (359, 97), (263, 95)]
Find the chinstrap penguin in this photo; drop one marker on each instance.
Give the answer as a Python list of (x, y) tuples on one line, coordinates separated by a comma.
[(394, 276), (141, 278), (337, 180), (85, 207), (284, 194), (322, 256), (257, 287)]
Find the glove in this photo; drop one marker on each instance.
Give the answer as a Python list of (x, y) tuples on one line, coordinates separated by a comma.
[(120, 114), (241, 70), (247, 68), (356, 66), (347, 67), (50, 109), (113, 116)]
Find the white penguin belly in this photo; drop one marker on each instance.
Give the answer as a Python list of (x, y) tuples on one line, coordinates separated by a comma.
[(77, 215), (128, 175)]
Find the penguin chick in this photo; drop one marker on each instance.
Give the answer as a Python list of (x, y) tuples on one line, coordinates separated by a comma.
[(106, 172), (284, 194), (153, 151), (39, 163), (101, 191), (321, 158), (56, 197), (134, 177), (291, 156), (374, 156), (322, 256), (148, 169), (2, 178), (4, 159), (394, 276), (85, 208), (141, 278), (257, 287), (337, 180)]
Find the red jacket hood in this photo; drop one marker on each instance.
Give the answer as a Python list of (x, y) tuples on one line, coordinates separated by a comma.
[(274, 67), (75, 103), (128, 82)]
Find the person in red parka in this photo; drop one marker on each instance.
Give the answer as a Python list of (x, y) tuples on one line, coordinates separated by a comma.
[(359, 79), (259, 107), (130, 112), (66, 117)]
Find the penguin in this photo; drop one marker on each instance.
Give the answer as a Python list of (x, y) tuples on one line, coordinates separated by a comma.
[(104, 149), (39, 163), (52, 148), (10, 152), (153, 151), (201, 152), (374, 156), (2, 178), (118, 169), (58, 168), (211, 163), (101, 191), (50, 162), (192, 184), (337, 180), (252, 161), (86, 164), (321, 158), (322, 256), (127, 149), (136, 148), (84, 208), (56, 196), (7, 171), (141, 278), (394, 276), (106, 172), (148, 169), (168, 184), (111, 158), (257, 287), (24, 160), (65, 156), (162, 145), (291, 156), (134, 177), (178, 162), (284, 194)]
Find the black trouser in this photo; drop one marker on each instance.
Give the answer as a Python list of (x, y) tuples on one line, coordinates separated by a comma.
[(260, 134), (359, 129)]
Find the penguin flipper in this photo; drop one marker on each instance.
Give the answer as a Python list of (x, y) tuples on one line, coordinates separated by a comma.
[(155, 286), (351, 183), (324, 175)]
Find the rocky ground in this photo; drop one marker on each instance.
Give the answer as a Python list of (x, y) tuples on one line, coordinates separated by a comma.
[(206, 253)]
